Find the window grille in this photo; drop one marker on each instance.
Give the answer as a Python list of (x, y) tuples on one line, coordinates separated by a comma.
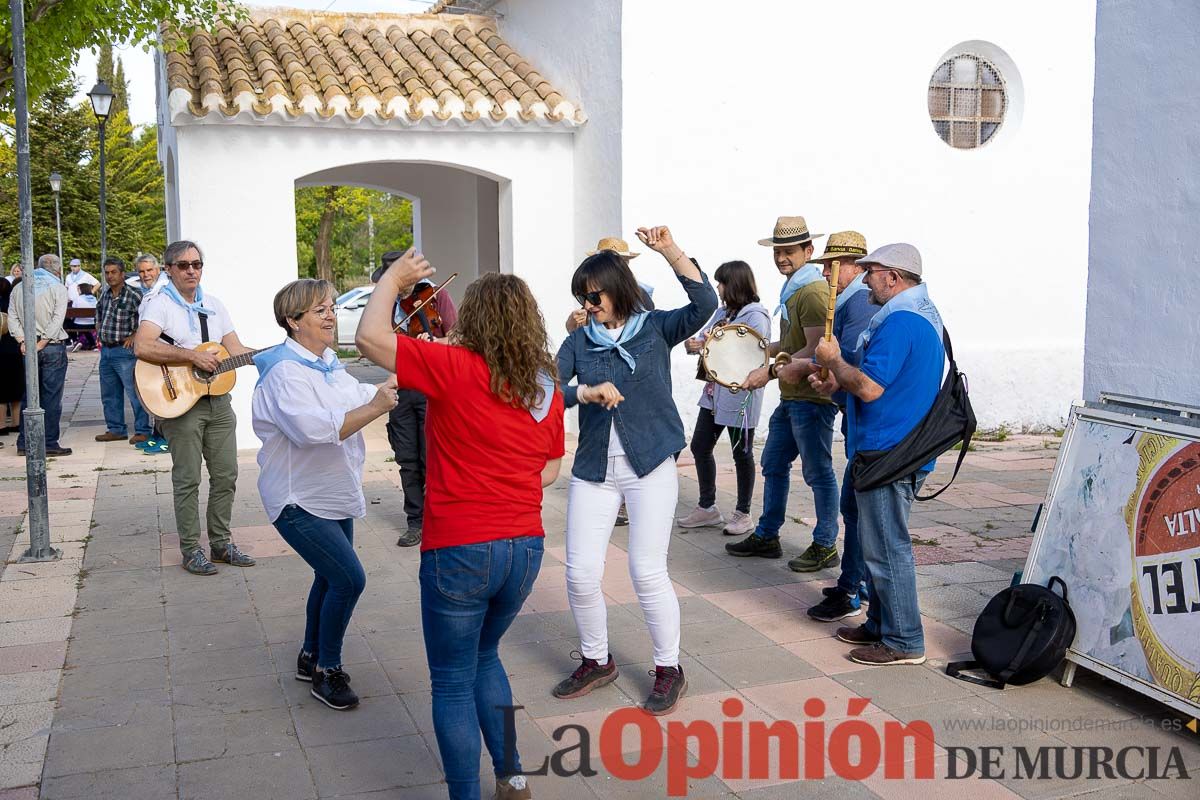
[(967, 101)]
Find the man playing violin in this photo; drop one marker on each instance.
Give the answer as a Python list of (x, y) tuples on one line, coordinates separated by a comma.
[(175, 321), (406, 421)]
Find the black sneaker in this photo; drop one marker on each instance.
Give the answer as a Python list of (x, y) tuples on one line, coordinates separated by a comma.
[(332, 687), (229, 554), (669, 686), (859, 635), (815, 558), (755, 545), (589, 675), (409, 538), (305, 666), (834, 607), (197, 563)]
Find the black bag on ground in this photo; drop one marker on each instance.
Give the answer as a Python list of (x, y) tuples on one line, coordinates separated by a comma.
[(1021, 636), (949, 421)]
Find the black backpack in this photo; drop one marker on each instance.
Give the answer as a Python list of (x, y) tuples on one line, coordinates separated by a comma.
[(1021, 636), (949, 421)]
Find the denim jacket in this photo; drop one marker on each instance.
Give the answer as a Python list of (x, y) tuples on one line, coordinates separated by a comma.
[(647, 421)]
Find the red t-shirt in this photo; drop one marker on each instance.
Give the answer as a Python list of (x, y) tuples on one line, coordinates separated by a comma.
[(484, 458)]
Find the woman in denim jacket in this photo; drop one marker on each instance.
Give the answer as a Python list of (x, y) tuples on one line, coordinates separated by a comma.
[(629, 434)]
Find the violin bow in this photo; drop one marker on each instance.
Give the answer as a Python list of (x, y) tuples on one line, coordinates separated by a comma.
[(833, 291), (423, 303)]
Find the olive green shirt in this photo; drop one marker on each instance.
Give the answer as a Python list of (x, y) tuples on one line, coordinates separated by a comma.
[(806, 309)]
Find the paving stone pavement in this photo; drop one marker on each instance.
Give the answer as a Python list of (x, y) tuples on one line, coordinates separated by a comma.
[(121, 676)]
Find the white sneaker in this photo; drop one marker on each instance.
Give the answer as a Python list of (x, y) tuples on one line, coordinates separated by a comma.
[(739, 524), (702, 517)]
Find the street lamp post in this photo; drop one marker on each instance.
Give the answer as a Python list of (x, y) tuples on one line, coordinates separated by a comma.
[(102, 97), (56, 187)]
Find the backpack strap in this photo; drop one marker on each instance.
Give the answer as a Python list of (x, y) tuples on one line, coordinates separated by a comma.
[(966, 442), (956, 669)]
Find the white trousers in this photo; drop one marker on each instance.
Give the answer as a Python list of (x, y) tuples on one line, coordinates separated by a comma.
[(591, 513)]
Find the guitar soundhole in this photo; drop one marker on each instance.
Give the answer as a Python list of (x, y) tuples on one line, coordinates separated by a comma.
[(202, 375)]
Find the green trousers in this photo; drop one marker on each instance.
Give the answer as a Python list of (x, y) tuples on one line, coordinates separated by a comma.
[(207, 432)]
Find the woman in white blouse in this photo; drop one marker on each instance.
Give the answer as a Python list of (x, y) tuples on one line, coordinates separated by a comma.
[(309, 413)]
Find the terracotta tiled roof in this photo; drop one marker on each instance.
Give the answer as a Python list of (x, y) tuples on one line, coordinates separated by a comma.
[(286, 65)]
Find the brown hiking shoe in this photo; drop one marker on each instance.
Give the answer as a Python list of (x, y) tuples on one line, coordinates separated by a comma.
[(109, 437), (669, 686), (880, 655), (514, 788), (856, 635), (590, 674)]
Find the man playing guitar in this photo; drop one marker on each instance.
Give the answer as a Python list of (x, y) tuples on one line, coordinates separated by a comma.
[(176, 321), (406, 421)]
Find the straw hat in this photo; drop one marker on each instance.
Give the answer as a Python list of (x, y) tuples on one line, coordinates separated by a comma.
[(844, 245), (618, 246), (790, 231)]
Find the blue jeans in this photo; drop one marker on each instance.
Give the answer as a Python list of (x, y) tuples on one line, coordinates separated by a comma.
[(116, 383), (887, 551), (470, 594), (800, 428), (52, 375), (326, 545), (854, 571)]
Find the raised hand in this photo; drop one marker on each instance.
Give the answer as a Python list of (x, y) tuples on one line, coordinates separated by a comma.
[(658, 239), (407, 270)]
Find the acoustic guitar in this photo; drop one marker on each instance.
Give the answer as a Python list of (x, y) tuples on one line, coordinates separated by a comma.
[(170, 390)]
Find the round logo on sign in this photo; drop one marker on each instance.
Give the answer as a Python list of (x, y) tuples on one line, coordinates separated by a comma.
[(1164, 522)]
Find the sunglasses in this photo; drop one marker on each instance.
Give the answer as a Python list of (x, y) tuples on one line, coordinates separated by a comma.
[(188, 266), (589, 298)]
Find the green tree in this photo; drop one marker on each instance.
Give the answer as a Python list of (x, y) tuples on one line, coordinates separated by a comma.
[(63, 139), (114, 77), (57, 30), (347, 228)]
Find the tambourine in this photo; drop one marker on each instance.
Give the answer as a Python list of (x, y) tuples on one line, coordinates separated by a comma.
[(731, 352)]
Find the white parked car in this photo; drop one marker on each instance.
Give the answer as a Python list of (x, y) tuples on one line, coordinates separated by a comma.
[(350, 307)]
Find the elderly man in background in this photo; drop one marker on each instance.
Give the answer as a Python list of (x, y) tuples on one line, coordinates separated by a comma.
[(150, 275), (50, 309), (116, 322), (887, 396), (77, 276)]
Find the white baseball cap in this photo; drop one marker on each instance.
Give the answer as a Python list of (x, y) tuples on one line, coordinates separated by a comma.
[(74, 262), (897, 256)]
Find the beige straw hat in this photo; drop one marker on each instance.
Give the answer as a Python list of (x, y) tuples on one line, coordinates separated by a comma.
[(618, 246), (790, 231), (843, 245)]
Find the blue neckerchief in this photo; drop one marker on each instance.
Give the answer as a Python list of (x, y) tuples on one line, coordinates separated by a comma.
[(43, 279), (916, 300), (598, 335), (194, 309), (795, 282), (542, 409), (265, 360), (859, 284)]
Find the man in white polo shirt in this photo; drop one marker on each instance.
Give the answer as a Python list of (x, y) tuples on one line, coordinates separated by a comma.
[(184, 314)]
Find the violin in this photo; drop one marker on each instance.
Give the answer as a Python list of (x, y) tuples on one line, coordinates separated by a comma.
[(421, 313)]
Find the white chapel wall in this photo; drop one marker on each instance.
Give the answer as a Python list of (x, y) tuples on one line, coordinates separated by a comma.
[(731, 118), (1142, 323)]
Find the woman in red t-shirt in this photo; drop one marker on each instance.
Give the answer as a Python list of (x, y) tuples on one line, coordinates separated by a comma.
[(494, 438)]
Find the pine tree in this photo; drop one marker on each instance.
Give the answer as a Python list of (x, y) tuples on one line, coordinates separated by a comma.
[(104, 64), (120, 90)]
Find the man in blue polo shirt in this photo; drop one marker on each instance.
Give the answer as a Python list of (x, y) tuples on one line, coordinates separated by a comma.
[(896, 385)]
